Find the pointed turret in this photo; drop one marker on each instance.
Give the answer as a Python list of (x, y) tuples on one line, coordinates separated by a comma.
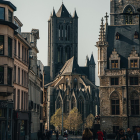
[(63, 12), (87, 61), (92, 62), (75, 14), (53, 13)]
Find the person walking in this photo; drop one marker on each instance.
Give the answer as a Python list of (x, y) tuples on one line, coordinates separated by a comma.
[(105, 135), (120, 135), (87, 135), (129, 134), (100, 135)]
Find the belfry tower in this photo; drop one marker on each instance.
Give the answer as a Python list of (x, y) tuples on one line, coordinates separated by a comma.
[(62, 39)]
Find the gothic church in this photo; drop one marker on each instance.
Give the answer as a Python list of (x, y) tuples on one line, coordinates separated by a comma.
[(67, 84)]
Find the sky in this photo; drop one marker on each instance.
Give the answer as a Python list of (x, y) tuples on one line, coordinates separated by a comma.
[(35, 14)]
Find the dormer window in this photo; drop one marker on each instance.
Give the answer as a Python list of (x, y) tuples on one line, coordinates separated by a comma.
[(136, 35), (10, 15), (117, 36), (2, 13), (114, 64), (134, 63)]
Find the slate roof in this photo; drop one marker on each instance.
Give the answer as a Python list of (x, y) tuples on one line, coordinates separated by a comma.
[(71, 67), (63, 12), (125, 44)]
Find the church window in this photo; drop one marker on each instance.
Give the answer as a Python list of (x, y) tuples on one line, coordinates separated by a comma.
[(114, 81), (75, 83), (134, 107), (117, 36), (62, 32), (58, 105), (59, 32), (81, 106), (136, 35), (128, 18), (58, 54), (72, 103), (134, 63), (114, 64), (68, 33), (67, 82), (133, 80), (115, 107)]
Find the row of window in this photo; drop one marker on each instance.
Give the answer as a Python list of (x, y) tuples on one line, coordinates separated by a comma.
[(133, 81), (115, 107), (64, 32), (133, 64), (21, 74), (2, 75), (18, 54), (20, 100), (2, 14)]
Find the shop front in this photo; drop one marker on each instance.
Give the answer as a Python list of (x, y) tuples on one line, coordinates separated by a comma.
[(6, 110), (21, 125)]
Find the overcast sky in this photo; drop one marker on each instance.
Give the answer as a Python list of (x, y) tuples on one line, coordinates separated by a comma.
[(35, 14)]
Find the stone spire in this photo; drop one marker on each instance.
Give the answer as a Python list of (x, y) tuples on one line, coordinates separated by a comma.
[(53, 13), (75, 14), (92, 62), (87, 61), (102, 31), (106, 17)]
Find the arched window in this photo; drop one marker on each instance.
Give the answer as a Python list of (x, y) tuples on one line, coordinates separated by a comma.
[(67, 82), (134, 104), (128, 18), (58, 53), (58, 103), (66, 105), (81, 106), (115, 104), (72, 103), (75, 83), (62, 32), (68, 33), (59, 32)]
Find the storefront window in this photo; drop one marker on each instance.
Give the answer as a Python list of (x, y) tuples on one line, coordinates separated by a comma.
[(22, 128)]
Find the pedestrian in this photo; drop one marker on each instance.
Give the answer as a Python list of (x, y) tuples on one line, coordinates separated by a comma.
[(120, 135), (129, 134), (57, 135), (100, 135), (105, 135), (137, 133), (87, 135)]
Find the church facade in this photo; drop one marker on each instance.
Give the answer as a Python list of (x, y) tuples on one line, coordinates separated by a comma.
[(118, 68), (66, 83)]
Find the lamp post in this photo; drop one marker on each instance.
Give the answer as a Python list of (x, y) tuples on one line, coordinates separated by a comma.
[(129, 14)]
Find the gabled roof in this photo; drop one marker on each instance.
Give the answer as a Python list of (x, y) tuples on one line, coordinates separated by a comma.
[(63, 12), (71, 67)]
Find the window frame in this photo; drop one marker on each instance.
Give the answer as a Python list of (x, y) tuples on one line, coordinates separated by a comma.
[(115, 104), (133, 63), (114, 78), (10, 47), (135, 104), (10, 12), (134, 80), (9, 77), (114, 64), (3, 75), (3, 44), (4, 13)]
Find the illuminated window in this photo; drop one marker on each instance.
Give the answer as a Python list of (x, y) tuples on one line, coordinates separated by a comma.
[(136, 35), (114, 64), (134, 63), (117, 36)]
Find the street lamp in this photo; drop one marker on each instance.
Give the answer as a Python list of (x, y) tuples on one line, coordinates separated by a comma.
[(139, 51)]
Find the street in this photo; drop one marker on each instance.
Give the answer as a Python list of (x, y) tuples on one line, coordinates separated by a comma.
[(70, 137)]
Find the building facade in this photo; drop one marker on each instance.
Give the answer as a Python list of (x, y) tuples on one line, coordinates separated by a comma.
[(20, 92), (118, 69), (7, 28)]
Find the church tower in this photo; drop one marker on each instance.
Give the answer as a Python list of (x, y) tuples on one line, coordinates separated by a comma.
[(123, 6), (62, 39)]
